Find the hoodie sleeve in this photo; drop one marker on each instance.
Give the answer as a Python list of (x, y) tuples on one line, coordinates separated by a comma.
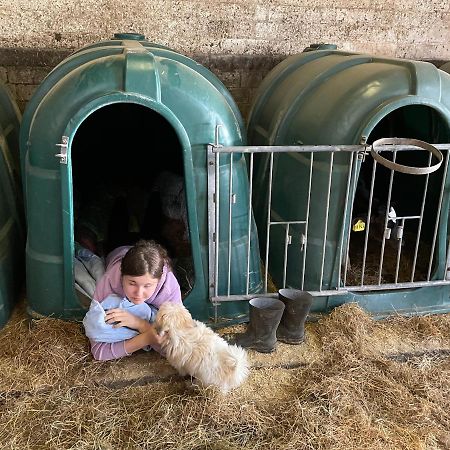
[(110, 282), (103, 288), (103, 351)]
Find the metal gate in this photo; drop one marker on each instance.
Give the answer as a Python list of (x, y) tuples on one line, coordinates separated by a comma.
[(356, 233)]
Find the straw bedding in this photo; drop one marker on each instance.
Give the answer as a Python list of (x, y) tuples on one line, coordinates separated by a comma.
[(407, 271), (354, 384)]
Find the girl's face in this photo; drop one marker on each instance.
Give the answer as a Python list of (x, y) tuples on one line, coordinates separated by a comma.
[(139, 289)]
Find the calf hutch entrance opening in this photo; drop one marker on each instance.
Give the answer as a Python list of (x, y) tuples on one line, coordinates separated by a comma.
[(128, 184), (394, 231)]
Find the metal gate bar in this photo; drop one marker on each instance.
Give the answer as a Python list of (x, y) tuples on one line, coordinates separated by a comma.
[(388, 202), (308, 206), (369, 215), (325, 231), (438, 218), (249, 222), (351, 177), (419, 229), (269, 209), (230, 209)]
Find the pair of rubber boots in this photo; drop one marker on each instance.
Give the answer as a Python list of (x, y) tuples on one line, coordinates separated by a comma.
[(272, 320)]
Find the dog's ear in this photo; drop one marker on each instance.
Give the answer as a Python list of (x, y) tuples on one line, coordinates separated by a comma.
[(185, 319), (161, 330), (158, 325), (163, 333)]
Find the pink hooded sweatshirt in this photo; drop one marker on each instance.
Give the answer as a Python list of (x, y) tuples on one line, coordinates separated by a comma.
[(167, 290)]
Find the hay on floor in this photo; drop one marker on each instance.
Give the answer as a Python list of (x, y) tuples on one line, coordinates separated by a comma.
[(351, 391)]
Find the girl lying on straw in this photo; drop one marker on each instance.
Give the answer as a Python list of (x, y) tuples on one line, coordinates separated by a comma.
[(137, 281)]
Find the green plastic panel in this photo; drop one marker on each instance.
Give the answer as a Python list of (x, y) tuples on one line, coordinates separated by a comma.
[(12, 239), (334, 97), (189, 98)]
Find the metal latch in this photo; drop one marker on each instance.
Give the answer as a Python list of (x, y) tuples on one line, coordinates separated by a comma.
[(398, 230), (387, 233), (361, 155), (62, 155), (302, 242)]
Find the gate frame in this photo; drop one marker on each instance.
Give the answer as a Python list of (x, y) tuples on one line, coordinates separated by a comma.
[(361, 151)]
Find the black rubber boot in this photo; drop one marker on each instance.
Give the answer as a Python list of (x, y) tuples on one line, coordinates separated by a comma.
[(292, 325), (265, 315)]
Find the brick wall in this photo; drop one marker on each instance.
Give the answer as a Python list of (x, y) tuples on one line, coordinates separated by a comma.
[(22, 71)]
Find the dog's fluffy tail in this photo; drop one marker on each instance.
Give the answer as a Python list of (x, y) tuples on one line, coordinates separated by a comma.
[(235, 362)]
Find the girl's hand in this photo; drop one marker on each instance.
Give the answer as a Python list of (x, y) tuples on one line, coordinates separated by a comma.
[(120, 318), (148, 337), (152, 337)]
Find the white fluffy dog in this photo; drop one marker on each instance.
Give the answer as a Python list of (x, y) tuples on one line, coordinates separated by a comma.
[(194, 349)]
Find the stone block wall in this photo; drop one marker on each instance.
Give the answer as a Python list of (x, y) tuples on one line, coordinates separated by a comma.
[(239, 40)]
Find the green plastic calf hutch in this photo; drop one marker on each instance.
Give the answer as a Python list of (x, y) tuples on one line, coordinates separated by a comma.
[(12, 228), (328, 97), (99, 131)]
